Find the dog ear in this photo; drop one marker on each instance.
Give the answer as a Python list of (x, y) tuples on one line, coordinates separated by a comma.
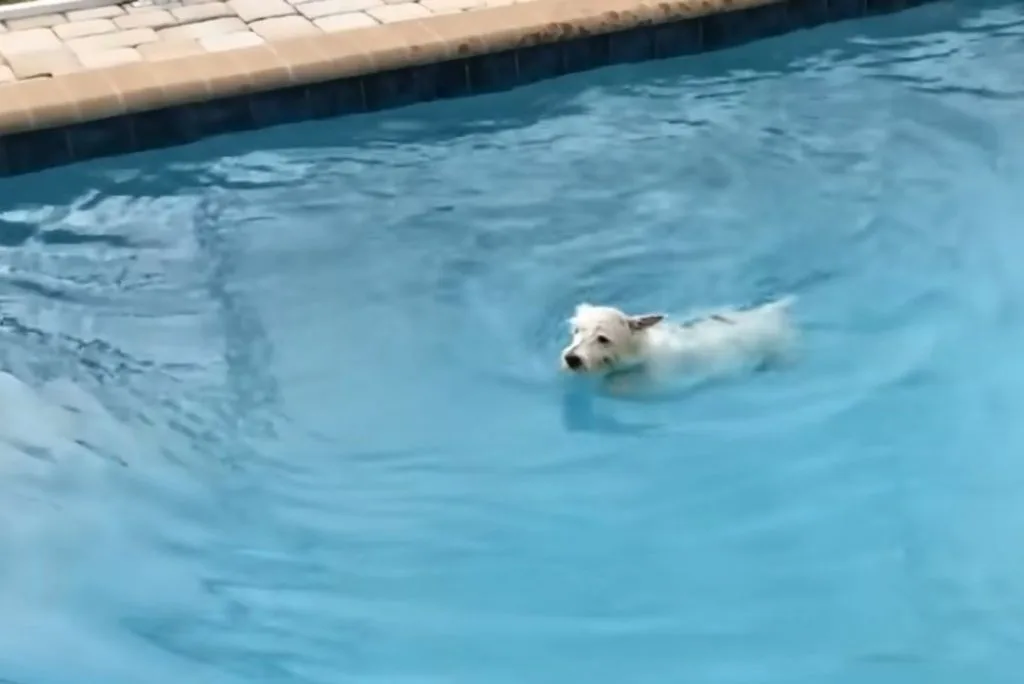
[(637, 323)]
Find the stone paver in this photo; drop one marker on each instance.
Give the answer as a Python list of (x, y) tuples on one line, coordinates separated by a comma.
[(48, 63), (345, 22), (80, 29), (106, 58), (169, 49), (230, 41), (387, 14), (95, 13), (111, 41), (208, 10), (322, 8), (29, 40), (283, 27), (204, 29), (41, 21), (254, 10), (149, 6), (150, 18), (445, 6), (154, 30)]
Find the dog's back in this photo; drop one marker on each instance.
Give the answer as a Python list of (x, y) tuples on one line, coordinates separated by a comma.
[(723, 339)]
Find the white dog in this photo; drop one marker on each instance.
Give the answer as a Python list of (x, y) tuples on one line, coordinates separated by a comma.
[(609, 343)]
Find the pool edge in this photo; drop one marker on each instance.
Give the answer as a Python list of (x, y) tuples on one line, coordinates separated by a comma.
[(139, 106)]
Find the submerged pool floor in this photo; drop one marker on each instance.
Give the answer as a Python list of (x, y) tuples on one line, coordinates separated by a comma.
[(284, 407)]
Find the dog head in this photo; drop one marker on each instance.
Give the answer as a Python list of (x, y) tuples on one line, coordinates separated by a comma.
[(604, 339)]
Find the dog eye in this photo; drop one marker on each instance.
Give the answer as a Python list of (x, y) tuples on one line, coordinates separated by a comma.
[(602, 339)]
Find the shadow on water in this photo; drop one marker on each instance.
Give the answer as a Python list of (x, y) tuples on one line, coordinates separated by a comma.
[(252, 391), (580, 414)]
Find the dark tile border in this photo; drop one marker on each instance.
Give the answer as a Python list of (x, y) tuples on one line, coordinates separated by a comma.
[(151, 105)]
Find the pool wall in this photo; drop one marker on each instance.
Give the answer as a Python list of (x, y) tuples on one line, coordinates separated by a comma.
[(133, 107)]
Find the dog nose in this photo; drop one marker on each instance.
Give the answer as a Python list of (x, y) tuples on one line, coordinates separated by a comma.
[(572, 361)]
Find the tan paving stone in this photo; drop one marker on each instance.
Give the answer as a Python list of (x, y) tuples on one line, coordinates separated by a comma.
[(443, 6), (254, 10), (207, 10), (283, 27), (106, 58), (40, 21), (48, 63), (6, 75), (110, 41), (203, 29), (345, 22), (95, 13), (80, 29), (153, 18), (170, 49), (388, 14), (29, 40), (322, 8), (230, 41), (151, 5)]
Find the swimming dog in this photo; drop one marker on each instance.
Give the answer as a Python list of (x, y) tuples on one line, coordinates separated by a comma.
[(608, 342)]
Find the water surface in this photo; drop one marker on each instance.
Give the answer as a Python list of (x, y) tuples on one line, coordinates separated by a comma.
[(283, 407)]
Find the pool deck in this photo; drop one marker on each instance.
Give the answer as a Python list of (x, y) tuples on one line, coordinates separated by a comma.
[(154, 30), (154, 73)]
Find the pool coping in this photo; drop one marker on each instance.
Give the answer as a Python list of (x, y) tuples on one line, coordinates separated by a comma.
[(34, 8), (138, 106)]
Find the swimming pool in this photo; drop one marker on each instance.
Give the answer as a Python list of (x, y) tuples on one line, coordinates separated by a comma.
[(342, 452)]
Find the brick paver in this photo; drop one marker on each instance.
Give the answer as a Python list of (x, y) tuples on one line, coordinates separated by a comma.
[(111, 41), (150, 18), (40, 21), (283, 27), (322, 8), (44, 63), (388, 14), (254, 10), (154, 30), (169, 49), (105, 58), (230, 41), (28, 40), (204, 29), (442, 6), (344, 22), (207, 10), (95, 13), (80, 29)]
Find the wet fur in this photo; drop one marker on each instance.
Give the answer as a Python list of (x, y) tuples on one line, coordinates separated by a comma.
[(628, 351)]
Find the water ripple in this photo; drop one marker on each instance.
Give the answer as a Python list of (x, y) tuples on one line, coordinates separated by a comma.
[(284, 407)]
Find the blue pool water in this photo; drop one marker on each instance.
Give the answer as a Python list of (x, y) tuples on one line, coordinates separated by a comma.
[(284, 407)]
